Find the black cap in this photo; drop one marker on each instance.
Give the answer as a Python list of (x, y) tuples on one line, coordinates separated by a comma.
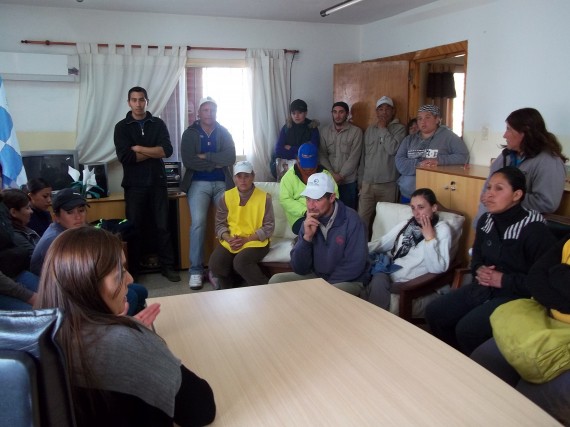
[(298, 105), (68, 199), (343, 105)]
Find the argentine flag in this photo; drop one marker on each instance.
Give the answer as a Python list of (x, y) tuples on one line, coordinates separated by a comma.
[(13, 173)]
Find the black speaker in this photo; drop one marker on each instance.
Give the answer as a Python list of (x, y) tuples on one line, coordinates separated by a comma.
[(100, 170)]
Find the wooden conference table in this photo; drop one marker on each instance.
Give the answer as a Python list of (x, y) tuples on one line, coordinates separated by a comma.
[(307, 354)]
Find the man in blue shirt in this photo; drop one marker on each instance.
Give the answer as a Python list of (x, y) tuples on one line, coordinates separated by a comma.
[(208, 153)]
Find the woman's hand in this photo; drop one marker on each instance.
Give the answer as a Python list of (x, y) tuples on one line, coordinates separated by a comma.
[(148, 315), (487, 275), (427, 229)]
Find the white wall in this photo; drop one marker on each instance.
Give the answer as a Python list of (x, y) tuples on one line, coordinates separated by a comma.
[(518, 57), (52, 107)]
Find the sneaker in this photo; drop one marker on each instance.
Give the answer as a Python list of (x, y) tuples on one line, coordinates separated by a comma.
[(170, 274), (214, 281), (195, 282)]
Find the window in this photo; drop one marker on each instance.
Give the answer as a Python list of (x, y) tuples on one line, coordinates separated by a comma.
[(228, 86)]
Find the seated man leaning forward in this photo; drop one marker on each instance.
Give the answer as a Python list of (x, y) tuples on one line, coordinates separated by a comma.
[(294, 183), (332, 241), (244, 224)]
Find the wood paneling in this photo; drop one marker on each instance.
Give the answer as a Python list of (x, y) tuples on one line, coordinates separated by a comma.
[(360, 85)]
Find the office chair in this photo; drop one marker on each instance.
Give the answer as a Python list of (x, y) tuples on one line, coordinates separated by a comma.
[(35, 388)]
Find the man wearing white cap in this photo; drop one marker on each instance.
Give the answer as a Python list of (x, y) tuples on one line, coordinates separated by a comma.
[(433, 145), (332, 242), (377, 174), (244, 224), (208, 152)]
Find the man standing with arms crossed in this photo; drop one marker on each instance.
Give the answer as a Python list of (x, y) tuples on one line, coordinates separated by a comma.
[(141, 142), (208, 153), (340, 151)]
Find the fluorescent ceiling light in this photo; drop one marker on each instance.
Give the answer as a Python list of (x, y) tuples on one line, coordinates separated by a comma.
[(337, 7)]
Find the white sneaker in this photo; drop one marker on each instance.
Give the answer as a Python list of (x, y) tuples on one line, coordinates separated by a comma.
[(195, 282)]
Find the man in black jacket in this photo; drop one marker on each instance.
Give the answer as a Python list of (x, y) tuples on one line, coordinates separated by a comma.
[(141, 142)]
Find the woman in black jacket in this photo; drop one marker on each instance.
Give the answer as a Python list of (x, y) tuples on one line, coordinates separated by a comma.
[(508, 241)]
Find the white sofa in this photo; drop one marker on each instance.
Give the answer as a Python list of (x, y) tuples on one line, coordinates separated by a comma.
[(388, 215), (282, 239)]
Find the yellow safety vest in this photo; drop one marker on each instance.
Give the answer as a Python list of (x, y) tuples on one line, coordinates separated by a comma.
[(244, 220)]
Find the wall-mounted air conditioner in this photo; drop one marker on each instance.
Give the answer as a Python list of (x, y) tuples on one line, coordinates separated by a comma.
[(39, 67)]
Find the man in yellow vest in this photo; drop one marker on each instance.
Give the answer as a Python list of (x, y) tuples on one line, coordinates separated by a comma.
[(244, 224)]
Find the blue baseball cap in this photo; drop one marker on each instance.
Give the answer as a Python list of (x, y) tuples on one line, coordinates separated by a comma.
[(308, 156)]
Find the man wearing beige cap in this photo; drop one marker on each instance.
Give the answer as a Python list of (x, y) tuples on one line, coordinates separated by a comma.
[(332, 242), (244, 224), (208, 153), (377, 173)]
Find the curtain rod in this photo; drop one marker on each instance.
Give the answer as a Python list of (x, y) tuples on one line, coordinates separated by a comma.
[(50, 43)]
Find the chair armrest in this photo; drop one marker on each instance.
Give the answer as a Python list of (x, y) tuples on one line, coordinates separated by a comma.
[(421, 286), (458, 276)]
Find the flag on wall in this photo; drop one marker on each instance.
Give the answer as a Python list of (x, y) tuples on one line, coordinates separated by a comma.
[(13, 173)]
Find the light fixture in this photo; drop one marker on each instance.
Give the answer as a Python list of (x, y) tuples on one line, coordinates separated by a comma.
[(337, 7)]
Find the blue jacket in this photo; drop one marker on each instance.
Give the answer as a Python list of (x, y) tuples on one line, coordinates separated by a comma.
[(342, 257)]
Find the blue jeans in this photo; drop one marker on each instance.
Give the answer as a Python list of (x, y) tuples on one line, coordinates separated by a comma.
[(136, 297), (200, 195), (29, 281), (349, 194)]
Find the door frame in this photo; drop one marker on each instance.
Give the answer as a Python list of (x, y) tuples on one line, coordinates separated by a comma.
[(426, 55)]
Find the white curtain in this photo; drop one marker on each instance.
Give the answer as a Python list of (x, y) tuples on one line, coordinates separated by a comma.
[(106, 77), (269, 97)]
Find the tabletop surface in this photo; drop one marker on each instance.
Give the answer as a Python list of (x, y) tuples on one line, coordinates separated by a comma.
[(307, 354)]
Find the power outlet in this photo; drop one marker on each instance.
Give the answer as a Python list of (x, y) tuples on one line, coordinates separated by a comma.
[(484, 133)]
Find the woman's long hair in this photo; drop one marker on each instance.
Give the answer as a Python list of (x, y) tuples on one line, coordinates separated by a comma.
[(74, 269), (536, 138)]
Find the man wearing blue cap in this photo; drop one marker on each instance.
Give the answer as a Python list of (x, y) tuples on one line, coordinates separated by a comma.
[(332, 243), (294, 182)]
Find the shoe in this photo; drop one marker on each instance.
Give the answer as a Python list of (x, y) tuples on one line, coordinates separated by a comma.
[(170, 274), (195, 282), (214, 281)]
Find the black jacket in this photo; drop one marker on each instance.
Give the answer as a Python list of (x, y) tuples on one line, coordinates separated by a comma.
[(153, 133)]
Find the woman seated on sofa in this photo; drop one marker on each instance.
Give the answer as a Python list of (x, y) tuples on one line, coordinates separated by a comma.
[(417, 246), (244, 224), (18, 204), (121, 373), (39, 191), (548, 281), (17, 285), (509, 239)]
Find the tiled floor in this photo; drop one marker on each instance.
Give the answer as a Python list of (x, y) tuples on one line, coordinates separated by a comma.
[(159, 286)]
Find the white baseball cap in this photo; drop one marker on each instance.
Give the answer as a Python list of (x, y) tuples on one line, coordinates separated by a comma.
[(385, 100), (207, 99), (243, 166), (318, 185)]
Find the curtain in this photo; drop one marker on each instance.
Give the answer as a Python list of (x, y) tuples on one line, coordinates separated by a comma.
[(440, 89), (106, 77), (269, 96)]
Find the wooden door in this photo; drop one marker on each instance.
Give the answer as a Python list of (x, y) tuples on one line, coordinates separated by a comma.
[(361, 84)]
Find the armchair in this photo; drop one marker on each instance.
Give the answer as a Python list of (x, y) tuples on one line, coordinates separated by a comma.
[(410, 298)]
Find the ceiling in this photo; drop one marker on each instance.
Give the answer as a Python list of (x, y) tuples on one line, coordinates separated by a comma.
[(276, 10)]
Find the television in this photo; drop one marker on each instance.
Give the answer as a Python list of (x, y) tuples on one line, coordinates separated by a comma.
[(51, 165)]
